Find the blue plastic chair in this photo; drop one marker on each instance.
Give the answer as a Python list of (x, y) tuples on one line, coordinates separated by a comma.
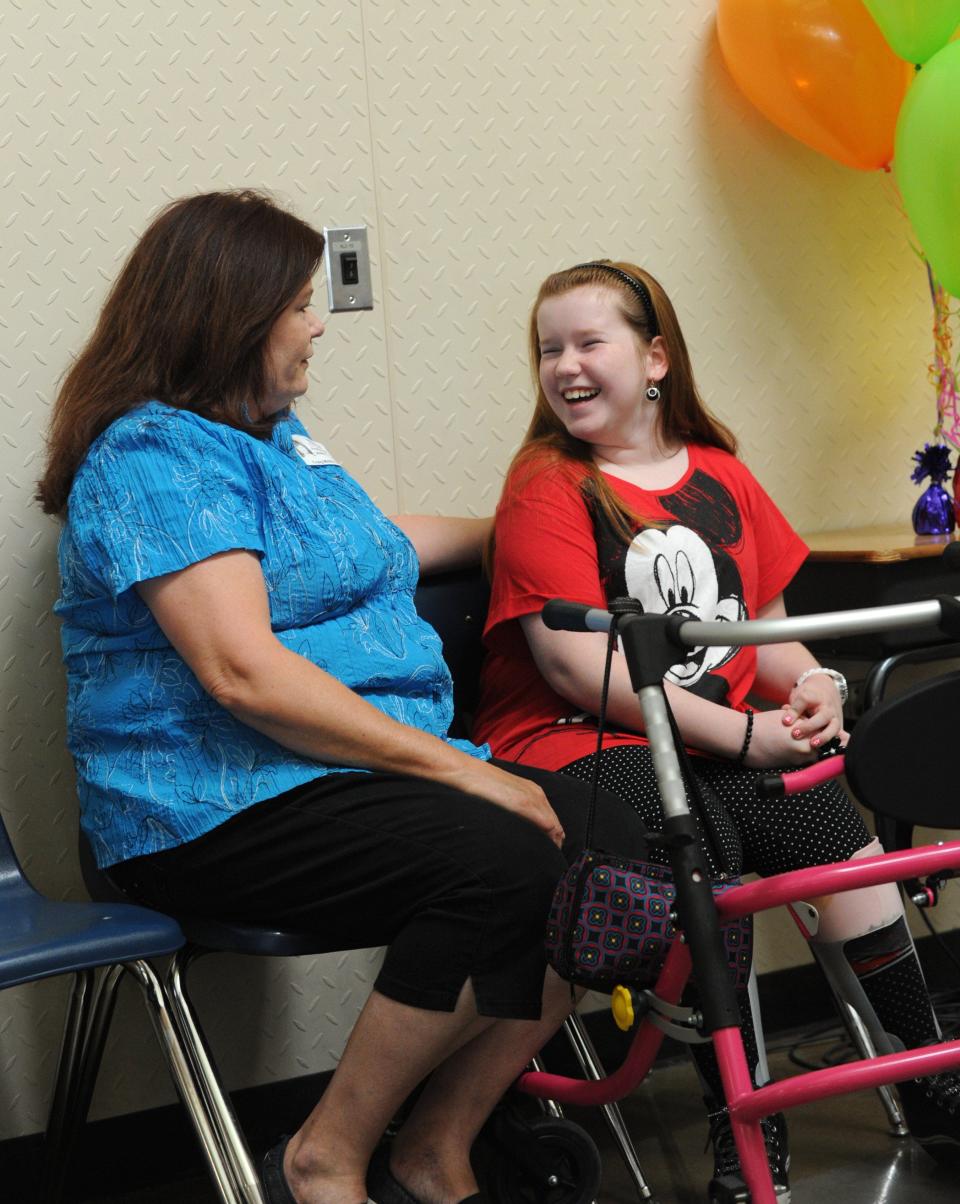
[(228, 1153), (42, 938)]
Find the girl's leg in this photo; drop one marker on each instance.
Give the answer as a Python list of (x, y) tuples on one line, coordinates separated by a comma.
[(815, 828), (865, 934), (868, 926)]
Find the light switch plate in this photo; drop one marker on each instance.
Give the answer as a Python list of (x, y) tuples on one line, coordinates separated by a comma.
[(347, 263)]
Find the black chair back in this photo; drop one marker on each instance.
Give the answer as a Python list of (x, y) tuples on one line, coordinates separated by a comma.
[(455, 606), (901, 757)]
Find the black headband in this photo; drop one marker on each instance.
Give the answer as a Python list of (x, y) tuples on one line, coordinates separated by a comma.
[(636, 285)]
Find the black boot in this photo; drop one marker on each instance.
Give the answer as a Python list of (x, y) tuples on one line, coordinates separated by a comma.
[(932, 1110), (728, 1185), (885, 963)]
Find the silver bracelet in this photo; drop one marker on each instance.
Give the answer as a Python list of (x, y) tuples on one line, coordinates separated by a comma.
[(841, 681)]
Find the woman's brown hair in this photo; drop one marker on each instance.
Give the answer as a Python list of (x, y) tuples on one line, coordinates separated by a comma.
[(186, 322), (682, 416)]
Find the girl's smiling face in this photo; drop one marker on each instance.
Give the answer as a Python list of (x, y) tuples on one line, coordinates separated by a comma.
[(594, 368)]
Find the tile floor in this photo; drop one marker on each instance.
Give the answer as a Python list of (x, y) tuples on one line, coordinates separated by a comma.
[(842, 1152)]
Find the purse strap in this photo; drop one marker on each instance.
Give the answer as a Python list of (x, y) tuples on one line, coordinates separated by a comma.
[(695, 795), (601, 723), (690, 780)]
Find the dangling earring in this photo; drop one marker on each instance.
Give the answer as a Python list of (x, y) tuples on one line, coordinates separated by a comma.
[(653, 393)]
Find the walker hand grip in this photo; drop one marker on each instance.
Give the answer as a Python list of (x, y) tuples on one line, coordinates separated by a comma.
[(779, 784), (560, 615), (949, 608)]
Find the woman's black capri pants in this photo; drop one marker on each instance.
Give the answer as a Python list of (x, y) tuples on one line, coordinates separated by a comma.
[(455, 886)]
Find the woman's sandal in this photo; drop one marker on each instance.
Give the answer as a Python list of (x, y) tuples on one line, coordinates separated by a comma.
[(276, 1189), (388, 1190)]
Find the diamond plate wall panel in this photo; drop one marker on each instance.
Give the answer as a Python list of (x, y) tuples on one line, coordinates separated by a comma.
[(107, 113), (516, 138), (483, 146)]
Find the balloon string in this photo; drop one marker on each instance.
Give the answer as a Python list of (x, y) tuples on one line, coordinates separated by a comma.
[(893, 192), (942, 371)]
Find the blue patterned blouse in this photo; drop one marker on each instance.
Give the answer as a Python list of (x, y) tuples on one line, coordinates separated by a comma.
[(158, 761)]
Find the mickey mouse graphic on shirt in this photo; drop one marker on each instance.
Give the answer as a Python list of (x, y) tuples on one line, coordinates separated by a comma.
[(683, 569)]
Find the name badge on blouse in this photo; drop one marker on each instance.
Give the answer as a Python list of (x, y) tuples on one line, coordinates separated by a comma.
[(311, 452)]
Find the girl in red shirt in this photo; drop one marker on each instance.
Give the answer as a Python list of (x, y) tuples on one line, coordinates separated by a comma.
[(626, 485)]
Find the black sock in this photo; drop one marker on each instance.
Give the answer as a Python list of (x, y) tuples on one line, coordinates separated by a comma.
[(886, 966)]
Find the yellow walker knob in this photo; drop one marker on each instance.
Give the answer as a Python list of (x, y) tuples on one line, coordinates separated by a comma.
[(621, 1003)]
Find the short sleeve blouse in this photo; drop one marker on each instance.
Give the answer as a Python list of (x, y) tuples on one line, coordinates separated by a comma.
[(158, 761)]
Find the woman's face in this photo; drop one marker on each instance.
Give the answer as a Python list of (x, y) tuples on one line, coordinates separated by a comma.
[(289, 346), (594, 369)]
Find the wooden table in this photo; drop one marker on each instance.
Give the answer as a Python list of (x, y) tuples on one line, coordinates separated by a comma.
[(874, 566), (884, 544)]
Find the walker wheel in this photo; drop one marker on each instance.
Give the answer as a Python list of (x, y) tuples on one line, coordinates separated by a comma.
[(557, 1163)]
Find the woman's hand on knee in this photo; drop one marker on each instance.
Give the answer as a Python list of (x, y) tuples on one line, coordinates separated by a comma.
[(513, 793)]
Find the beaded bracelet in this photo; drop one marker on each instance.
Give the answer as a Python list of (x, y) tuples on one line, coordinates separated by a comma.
[(746, 739), (838, 678)]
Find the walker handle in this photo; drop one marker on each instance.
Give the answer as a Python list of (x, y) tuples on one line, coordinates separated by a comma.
[(776, 785)]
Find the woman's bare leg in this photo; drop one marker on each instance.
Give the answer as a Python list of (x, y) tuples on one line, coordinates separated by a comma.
[(431, 1153), (391, 1050)]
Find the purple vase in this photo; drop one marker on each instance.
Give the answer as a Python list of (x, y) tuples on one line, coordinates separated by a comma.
[(934, 514)]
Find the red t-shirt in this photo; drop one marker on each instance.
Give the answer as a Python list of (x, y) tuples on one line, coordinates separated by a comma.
[(725, 550)]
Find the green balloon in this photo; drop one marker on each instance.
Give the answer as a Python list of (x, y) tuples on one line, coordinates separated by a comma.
[(915, 29), (926, 161)]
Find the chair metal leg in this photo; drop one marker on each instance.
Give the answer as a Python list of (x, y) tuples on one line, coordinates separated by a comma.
[(63, 1121), (182, 1060), (90, 1056), (95, 1039), (219, 1109), (549, 1107), (590, 1064)]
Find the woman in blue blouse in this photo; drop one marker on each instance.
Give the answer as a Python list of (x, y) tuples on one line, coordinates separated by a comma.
[(257, 715)]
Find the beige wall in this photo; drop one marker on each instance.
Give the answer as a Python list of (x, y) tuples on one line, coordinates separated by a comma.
[(483, 145)]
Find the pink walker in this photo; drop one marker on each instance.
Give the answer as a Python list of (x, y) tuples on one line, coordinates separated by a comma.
[(898, 762)]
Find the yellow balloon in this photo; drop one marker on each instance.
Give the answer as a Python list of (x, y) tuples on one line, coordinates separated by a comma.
[(819, 69)]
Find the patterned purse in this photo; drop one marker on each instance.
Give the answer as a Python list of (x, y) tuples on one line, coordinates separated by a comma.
[(610, 921)]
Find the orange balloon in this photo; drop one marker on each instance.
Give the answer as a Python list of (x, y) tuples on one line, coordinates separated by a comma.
[(819, 69)]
